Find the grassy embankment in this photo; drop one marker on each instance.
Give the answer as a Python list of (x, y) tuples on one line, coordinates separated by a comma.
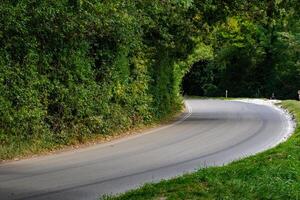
[(274, 174)]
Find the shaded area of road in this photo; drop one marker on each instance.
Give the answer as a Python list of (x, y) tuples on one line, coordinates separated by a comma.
[(213, 132)]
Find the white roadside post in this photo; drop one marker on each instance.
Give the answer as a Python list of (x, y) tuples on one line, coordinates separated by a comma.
[(273, 96), (226, 95), (299, 94)]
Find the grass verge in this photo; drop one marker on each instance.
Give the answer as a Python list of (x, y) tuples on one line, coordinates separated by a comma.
[(273, 174)]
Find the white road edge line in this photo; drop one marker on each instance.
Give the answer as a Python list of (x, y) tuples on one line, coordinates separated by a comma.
[(288, 130)]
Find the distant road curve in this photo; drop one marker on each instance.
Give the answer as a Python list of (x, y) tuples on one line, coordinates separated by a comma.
[(211, 132)]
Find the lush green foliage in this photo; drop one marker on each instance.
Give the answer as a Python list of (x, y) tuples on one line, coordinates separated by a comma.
[(74, 69), (256, 53), (274, 174)]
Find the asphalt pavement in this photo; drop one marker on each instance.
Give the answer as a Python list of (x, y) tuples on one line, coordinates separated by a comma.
[(210, 132)]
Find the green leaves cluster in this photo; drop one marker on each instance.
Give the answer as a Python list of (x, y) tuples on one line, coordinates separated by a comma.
[(256, 53), (70, 69)]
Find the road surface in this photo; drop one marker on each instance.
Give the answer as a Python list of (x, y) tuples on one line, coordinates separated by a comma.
[(211, 132)]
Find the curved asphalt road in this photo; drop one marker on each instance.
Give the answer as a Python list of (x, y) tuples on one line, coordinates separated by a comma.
[(214, 132)]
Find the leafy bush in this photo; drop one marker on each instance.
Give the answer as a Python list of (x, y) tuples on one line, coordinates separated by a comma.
[(73, 69)]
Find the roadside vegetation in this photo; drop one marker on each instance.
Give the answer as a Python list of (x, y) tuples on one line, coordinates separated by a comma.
[(75, 70), (72, 71), (274, 174)]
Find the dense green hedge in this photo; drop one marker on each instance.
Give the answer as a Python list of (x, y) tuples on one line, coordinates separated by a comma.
[(72, 69)]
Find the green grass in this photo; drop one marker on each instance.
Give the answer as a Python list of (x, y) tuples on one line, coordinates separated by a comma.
[(274, 174)]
